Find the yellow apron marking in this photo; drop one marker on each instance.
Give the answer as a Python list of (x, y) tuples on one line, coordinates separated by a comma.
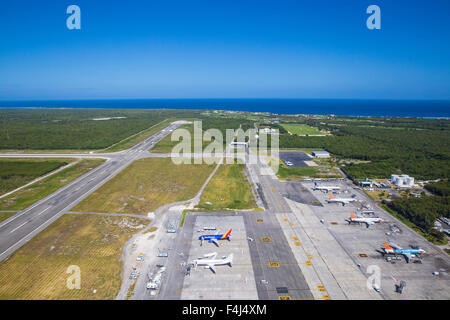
[(274, 264)]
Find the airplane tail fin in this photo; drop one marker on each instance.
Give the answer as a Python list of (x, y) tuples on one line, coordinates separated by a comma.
[(227, 234), (331, 196), (315, 184), (387, 246), (352, 215)]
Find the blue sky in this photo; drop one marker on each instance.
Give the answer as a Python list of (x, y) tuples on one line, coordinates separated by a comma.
[(225, 49)]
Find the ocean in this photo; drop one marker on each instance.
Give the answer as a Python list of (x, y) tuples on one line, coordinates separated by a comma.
[(349, 107)]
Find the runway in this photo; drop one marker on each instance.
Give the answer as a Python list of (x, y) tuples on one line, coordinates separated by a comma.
[(20, 228)]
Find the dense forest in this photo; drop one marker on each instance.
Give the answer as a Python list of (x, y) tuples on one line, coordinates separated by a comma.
[(52, 129), (421, 153), (423, 212), (441, 188)]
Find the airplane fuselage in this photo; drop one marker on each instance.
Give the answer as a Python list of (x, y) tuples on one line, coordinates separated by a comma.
[(214, 238)]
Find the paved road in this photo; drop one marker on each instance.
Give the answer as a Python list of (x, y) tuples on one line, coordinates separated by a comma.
[(286, 278), (17, 230)]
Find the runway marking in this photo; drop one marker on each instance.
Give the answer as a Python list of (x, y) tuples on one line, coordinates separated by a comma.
[(274, 264), (326, 297), (363, 255), (294, 238), (308, 263), (321, 288), (285, 219), (284, 298), (37, 203), (271, 189), (259, 220), (18, 227), (297, 243), (43, 211), (266, 239), (310, 256), (334, 223)]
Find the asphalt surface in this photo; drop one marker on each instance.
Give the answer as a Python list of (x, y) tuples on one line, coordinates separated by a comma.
[(297, 158), (20, 228)]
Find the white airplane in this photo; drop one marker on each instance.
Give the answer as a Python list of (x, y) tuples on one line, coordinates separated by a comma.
[(367, 221), (326, 189), (344, 201), (212, 263)]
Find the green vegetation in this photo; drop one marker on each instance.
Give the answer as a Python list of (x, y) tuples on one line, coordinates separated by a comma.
[(146, 185), (378, 195), (25, 197), (183, 218), (136, 138), (38, 270), (56, 129), (6, 215), (323, 170), (227, 190), (285, 172), (301, 129), (441, 188), (18, 172), (423, 212), (166, 145), (421, 149)]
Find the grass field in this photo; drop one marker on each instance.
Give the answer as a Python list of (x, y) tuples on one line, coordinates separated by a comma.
[(17, 172), (287, 173), (301, 129), (377, 195), (228, 189), (27, 196), (146, 185), (6, 215), (38, 270), (166, 145)]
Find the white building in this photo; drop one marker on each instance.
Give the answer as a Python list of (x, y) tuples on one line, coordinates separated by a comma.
[(268, 130), (402, 180), (320, 154)]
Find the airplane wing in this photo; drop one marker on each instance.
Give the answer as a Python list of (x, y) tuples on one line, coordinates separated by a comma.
[(369, 223), (407, 256), (215, 242), (212, 267)]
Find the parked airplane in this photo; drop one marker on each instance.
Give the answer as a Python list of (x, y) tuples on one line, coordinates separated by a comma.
[(344, 201), (212, 263), (214, 237), (367, 221), (408, 253), (326, 189)]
